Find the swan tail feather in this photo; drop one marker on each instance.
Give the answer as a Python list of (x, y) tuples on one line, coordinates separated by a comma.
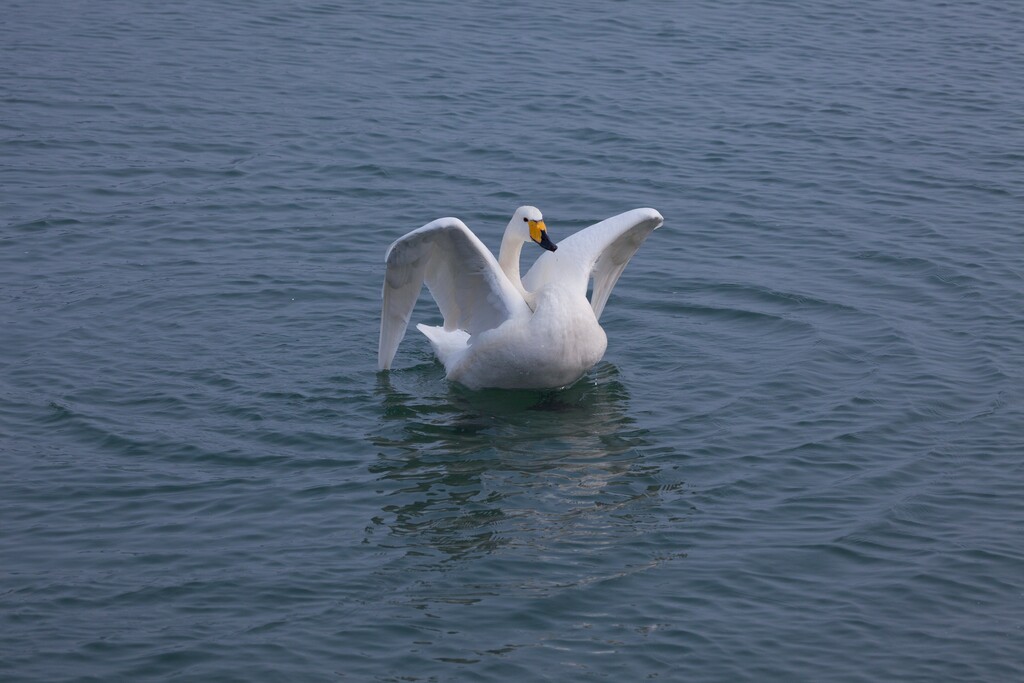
[(448, 344)]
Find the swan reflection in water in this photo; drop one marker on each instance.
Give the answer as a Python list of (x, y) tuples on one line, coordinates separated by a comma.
[(471, 471)]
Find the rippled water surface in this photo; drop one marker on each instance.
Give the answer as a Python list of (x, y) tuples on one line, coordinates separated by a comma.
[(799, 460)]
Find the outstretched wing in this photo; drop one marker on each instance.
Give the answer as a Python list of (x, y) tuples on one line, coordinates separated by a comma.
[(600, 251), (463, 277)]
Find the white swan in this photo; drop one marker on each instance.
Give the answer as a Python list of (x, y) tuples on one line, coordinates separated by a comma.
[(499, 331)]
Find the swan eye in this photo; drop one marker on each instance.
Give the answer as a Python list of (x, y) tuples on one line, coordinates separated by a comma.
[(526, 220)]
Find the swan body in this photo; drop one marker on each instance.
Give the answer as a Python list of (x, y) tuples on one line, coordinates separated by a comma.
[(500, 330)]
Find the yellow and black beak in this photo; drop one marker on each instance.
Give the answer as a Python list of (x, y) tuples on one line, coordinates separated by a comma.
[(539, 234)]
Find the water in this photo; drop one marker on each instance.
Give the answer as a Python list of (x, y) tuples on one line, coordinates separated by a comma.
[(799, 460)]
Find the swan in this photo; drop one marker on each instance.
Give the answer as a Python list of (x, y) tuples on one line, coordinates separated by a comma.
[(500, 330)]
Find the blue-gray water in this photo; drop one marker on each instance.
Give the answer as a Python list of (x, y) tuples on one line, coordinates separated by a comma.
[(799, 461)]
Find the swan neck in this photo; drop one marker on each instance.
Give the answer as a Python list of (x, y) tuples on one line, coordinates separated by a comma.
[(508, 259)]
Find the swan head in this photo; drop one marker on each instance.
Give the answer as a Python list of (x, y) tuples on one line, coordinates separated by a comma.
[(528, 222)]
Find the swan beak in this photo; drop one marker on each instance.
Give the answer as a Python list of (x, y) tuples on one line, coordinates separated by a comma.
[(539, 234)]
